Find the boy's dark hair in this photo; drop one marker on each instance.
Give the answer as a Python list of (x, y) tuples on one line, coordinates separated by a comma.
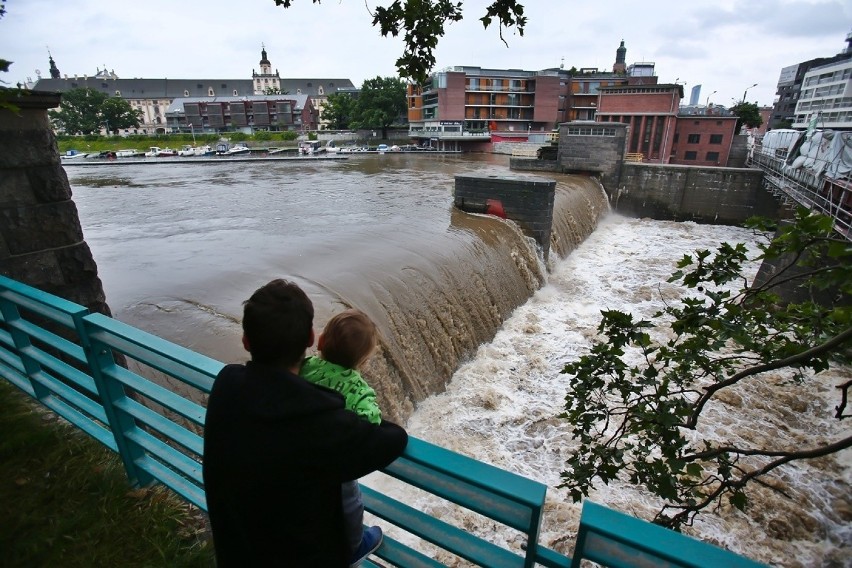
[(277, 321), (348, 338)]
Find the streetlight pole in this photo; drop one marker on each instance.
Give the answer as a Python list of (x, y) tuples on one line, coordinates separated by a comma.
[(746, 91), (707, 104)]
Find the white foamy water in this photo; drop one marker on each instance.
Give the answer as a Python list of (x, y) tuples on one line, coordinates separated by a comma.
[(501, 407)]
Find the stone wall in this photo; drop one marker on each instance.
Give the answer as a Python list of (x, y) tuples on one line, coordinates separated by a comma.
[(526, 200), (724, 196), (41, 240), (591, 153)]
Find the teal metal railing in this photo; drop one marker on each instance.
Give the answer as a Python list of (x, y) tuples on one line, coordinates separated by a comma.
[(91, 370)]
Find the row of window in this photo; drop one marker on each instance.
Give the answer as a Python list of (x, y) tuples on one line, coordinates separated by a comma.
[(839, 75), (825, 91), (643, 90), (825, 117), (696, 138), (590, 131), (693, 155), (825, 103)]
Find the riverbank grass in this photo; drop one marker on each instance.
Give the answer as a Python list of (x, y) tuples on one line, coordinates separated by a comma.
[(65, 500)]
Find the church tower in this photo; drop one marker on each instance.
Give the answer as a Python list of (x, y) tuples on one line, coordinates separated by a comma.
[(54, 72), (265, 79), (620, 55)]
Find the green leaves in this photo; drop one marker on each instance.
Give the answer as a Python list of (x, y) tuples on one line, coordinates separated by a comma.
[(422, 23), (84, 111), (630, 420)]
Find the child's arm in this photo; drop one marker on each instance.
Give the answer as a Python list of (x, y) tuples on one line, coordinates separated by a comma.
[(362, 400)]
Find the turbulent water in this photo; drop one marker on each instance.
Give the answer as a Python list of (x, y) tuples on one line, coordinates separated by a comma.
[(501, 406), (180, 247)]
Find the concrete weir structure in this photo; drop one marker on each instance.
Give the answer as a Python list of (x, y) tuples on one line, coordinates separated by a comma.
[(526, 200), (720, 195)]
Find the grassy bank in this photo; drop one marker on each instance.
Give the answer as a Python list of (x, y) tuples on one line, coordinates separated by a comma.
[(175, 141), (65, 501)]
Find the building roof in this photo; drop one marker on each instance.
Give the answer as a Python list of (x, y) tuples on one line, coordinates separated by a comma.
[(175, 88), (149, 88), (177, 104)]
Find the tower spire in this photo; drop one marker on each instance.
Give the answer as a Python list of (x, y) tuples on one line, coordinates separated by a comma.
[(620, 56), (54, 72)]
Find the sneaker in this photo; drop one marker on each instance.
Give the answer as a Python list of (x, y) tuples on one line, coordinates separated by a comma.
[(370, 541)]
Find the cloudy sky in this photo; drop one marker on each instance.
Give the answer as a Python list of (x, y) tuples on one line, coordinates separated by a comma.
[(724, 45)]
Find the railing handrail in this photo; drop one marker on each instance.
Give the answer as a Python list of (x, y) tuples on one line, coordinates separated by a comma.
[(75, 366)]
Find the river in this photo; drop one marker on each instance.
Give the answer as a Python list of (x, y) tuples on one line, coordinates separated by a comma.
[(475, 327)]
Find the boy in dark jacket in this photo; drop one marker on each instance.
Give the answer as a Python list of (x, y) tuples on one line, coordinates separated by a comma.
[(277, 448)]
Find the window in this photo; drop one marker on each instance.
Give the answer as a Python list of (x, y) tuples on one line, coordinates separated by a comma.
[(236, 93), (712, 156), (118, 93), (693, 139), (691, 155), (185, 93), (715, 138)]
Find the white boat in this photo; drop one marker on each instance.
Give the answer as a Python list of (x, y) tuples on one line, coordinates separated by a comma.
[(238, 148), (127, 153), (205, 150), (73, 155), (157, 152), (188, 150)]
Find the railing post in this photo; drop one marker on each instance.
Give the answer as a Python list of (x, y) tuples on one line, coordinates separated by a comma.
[(100, 358), (22, 342)]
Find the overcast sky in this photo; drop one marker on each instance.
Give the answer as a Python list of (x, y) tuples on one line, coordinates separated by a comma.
[(723, 45)]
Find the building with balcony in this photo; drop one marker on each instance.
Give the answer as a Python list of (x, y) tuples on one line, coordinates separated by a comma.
[(825, 100), (256, 112), (466, 107), (470, 107), (784, 113)]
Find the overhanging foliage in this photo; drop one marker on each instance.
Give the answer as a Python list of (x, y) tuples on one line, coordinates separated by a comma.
[(639, 421)]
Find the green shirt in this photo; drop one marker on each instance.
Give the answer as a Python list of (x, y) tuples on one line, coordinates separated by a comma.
[(360, 397)]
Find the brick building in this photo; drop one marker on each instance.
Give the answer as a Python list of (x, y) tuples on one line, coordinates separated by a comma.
[(262, 112), (467, 107), (702, 140), (470, 107), (649, 111)]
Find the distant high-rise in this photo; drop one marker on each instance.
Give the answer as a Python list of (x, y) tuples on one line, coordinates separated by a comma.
[(694, 95)]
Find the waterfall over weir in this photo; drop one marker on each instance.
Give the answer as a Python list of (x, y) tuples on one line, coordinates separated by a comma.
[(378, 233), (435, 309)]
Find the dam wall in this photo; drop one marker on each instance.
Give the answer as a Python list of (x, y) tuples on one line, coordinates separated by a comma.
[(724, 196)]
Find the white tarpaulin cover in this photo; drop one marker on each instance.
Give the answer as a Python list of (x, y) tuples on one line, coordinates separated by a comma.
[(827, 153)]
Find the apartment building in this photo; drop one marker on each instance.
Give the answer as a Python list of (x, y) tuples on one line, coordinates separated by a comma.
[(470, 107), (825, 100), (259, 112), (789, 87), (466, 107)]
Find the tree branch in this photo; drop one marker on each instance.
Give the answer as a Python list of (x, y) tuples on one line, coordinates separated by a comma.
[(791, 361)]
